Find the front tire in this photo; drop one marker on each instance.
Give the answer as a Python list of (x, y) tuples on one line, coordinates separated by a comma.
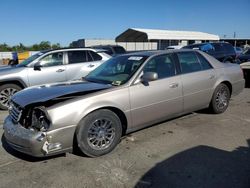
[(220, 99), (99, 133), (6, 91)]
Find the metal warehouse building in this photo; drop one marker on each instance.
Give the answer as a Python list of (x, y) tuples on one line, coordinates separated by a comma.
[(150, 39), (165, 38)]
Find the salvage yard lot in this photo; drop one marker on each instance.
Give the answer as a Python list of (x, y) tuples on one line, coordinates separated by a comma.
[(196, 150)]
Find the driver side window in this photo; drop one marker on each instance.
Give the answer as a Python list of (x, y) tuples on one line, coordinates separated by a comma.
[(163, 65), (53, 59)]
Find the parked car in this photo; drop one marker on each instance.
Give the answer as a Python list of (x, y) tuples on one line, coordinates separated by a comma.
[(174, 47), (112, 50), (238, 51), (245, 56), (244, 60), (222, 51), (48, 67), (124, 94)]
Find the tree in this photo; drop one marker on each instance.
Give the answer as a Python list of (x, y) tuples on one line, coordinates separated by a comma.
[(56, 46)]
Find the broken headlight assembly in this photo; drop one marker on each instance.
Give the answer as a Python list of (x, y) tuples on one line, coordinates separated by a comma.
[(40, 119)]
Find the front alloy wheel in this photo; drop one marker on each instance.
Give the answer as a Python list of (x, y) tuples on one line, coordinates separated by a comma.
[(99, 133), (6, 92)]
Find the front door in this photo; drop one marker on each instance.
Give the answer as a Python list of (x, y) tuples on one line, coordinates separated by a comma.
[(52, 69), (159, 99)]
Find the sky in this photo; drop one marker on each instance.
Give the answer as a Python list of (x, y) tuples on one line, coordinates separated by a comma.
[(62, 21)]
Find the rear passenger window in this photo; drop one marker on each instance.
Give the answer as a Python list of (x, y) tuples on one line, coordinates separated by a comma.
[(204, 63), (163, 65), (229, 48), (188, 62), (77, 57), (95, 56), (218, 47)]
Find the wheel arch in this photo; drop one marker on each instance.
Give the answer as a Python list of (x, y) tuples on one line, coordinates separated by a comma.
[(16, 81), (229, 85)]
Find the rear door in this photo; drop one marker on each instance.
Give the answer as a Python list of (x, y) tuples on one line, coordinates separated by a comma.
[(198, 78), (80, 63), (52, 70), (159, 99)]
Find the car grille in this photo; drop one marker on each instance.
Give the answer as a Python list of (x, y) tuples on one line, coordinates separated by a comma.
[(15, 112)]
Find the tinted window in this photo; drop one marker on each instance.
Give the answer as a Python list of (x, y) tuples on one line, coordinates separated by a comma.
[(218, 47), (207, 48), (108, 50), (204, 63), (188, 62), (229, 48), (163, 65), (77, 56), (119, 50), (95, 56), (52, 60)]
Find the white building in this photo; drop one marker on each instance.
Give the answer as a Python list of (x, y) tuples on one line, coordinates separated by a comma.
[(149, 39)]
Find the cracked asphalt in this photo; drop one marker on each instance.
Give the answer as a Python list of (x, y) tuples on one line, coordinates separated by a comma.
[(196, 150)]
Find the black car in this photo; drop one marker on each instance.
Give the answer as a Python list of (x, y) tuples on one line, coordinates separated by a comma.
[(222, 51), (112, 50), (245, 56)]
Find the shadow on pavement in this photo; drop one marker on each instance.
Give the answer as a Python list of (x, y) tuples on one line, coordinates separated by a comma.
[(23, 156), (201, 166)]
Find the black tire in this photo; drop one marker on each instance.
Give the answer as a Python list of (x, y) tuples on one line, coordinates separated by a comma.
[(219, 105), (4, 97), (86, 135)]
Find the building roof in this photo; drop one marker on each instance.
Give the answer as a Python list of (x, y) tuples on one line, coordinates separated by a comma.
[(144, 35)]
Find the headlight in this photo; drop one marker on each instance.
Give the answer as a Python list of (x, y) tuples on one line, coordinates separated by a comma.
[(40, 119)]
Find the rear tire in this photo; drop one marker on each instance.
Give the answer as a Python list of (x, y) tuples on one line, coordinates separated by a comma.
[(220, 99), (98, 133), (6, 91)]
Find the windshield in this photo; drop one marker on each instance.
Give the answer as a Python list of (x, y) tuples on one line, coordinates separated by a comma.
[(30, 59), (117, 70)]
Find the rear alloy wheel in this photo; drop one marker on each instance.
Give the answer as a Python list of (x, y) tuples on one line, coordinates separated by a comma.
[(99, 133), (220, 99), (6, 92)]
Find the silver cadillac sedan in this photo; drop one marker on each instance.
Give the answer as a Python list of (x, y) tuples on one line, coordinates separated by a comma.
[(124, 94)]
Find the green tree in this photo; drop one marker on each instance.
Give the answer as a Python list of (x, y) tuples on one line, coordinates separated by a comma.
[(56, 46)]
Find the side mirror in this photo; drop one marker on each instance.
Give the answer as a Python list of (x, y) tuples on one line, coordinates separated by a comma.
[(37, 67), (149, 76)]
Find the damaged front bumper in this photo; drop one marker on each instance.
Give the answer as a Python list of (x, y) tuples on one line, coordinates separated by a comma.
[(37, 143)]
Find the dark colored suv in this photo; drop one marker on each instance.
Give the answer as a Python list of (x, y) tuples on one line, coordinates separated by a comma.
[(112, 50), (222, 51)]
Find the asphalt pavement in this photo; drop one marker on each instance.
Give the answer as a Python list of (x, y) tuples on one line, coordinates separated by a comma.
[(196, 150)]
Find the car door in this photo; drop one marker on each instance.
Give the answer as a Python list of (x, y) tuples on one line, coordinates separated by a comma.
[(159, 99), (198, 79), (51, 69), (79, 64)]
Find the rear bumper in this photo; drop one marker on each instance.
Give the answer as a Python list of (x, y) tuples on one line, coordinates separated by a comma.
[(238, 87), (38, 144)]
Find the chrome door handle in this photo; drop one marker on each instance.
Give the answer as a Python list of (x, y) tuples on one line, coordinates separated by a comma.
[(91, 65), (60, 70), (212, 77), (174, 85)]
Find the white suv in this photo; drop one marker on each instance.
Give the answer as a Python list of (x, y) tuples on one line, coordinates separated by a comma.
[(48, 67)]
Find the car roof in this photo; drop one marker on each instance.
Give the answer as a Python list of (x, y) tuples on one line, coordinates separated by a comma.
[(157, 52), (108, 45), (70, 49)]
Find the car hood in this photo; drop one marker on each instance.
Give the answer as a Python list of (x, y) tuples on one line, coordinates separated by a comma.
[(5, 70), (40, 94)]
